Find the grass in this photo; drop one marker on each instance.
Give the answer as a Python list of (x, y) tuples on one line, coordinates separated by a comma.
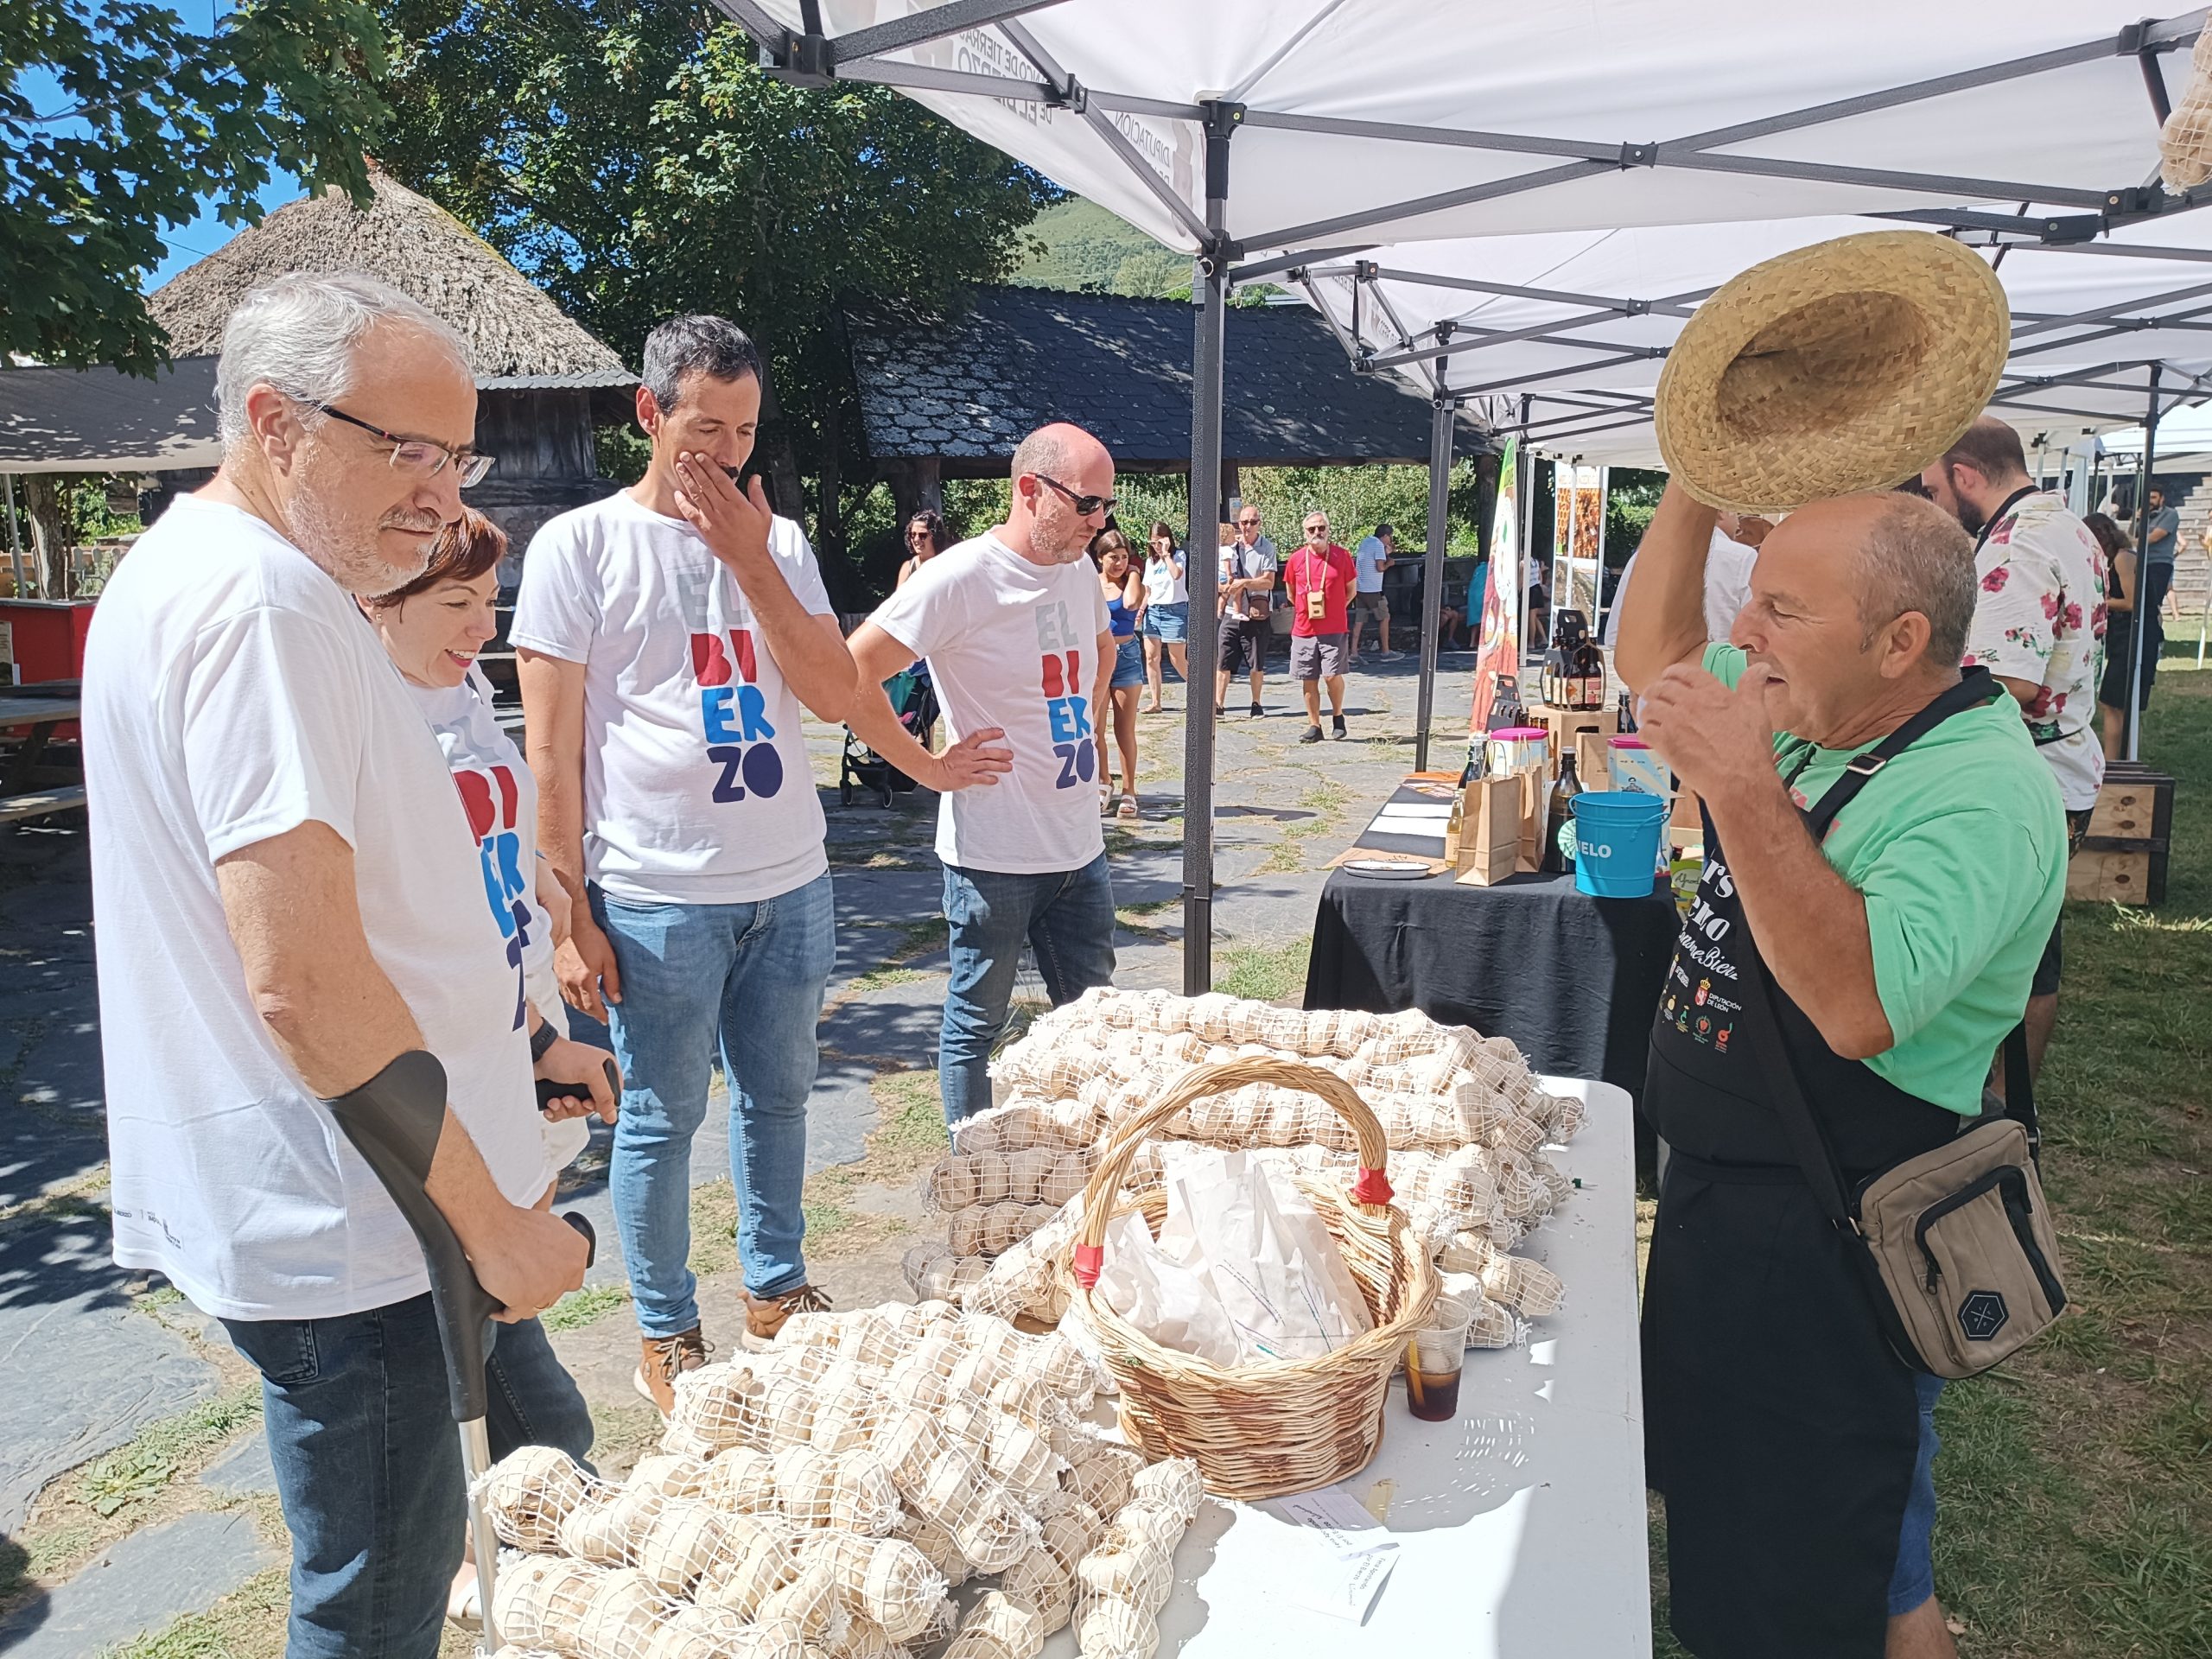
[(2074, 1485), (139, 1471), (1325, 800), (908, 1137), (250, 1620), (1265, 973), (580, 1307)]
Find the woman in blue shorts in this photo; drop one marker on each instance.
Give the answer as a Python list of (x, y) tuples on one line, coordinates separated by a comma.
[(1167, 609), (1124, 591)]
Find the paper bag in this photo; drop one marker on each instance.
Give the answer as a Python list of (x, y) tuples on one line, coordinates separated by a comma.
[(1535, 810), (1167, 1297), (1593, 759), (1489, 831)]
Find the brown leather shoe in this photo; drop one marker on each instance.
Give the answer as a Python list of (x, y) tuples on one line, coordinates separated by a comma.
[(765, 1315), (661, 1359)]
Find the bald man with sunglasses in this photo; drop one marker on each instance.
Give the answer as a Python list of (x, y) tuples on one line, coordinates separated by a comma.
[(1013, 627)]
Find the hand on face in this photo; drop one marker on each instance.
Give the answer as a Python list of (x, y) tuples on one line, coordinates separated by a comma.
[(733, 522), (1714, 738)]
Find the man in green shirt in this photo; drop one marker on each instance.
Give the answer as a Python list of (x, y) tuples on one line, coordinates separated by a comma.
[(1899, 935)]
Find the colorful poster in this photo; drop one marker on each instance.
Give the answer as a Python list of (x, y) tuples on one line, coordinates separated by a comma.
[(1579, 542), (1498, 647)]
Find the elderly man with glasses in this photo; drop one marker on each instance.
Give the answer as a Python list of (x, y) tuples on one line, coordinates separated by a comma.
[(291, 910), (1322, 579), (1013, 627), (1248, 598)]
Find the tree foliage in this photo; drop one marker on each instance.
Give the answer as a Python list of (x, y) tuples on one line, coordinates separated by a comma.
[(634, 159), (137, 118)]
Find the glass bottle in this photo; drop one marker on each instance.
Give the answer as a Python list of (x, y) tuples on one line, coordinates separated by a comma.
[(1559, 824)]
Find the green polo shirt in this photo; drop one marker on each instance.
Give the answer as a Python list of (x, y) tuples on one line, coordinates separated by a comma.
[(1959, 846)]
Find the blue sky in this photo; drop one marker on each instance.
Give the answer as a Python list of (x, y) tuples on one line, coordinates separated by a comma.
[(186, 243)]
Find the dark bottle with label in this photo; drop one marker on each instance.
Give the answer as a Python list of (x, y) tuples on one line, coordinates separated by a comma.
[(1559, 822)]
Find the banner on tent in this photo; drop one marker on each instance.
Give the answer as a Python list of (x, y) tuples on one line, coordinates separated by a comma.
[(1499, 648), (1579, 541)]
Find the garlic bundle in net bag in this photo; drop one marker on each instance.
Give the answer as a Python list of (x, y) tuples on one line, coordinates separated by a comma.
[(810, 1602), (1038, 1582), (850, 1490), (1490, 1324), (529, 1493), (886, 1581), (988, 1230), (1529, 1289), (741, 1480), (539, 1601), (1015, 1626), (757, 1560), (621, 1617)]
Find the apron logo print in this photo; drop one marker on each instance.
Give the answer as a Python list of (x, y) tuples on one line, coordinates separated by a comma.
[(1982, 1315), (735, 717)]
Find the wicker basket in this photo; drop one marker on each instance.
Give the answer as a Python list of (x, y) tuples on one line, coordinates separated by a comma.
[(1260, 1431)]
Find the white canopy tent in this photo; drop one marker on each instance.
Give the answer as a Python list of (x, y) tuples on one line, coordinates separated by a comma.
[(1276, 136)]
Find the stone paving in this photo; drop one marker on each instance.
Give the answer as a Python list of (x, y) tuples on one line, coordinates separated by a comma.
[(134, 1487)]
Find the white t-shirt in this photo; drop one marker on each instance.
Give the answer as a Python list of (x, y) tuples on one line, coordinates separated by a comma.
[(1727, 587), (1367, 558), (1243, 563), (500, 797), (1164, 579), (1012, 644), (233, 692), (696, 785)]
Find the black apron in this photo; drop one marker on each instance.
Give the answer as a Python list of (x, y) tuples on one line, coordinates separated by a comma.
[(1778, 1425)]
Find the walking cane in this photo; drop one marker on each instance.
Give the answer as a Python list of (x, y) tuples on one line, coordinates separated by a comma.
[(393, 1121)]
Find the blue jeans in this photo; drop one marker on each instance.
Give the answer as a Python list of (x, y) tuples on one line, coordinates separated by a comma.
[(1067, 916), (1913, 1579), (368, 1464), (748, 979)]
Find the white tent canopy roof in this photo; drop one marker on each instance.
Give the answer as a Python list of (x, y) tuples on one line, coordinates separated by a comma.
[(1578, 323), (1361, 122)]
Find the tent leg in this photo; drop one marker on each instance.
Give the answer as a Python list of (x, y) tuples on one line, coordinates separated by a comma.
[(1204, 555), (2133, 713), (1442, 413)]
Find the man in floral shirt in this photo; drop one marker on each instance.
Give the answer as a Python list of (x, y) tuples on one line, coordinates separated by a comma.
[(2038, 626)]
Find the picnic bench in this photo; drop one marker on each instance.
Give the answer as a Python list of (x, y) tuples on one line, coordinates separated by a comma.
[(26, 789)]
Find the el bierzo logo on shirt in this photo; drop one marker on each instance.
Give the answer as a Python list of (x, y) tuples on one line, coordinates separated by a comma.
[(735, 717)]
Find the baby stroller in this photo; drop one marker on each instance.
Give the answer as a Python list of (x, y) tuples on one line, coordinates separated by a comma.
[(914, 700)]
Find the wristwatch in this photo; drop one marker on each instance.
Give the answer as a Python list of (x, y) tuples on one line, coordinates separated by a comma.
[(541, 1039)]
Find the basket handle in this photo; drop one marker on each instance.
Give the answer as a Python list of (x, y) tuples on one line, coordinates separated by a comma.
[(1370, 1188)]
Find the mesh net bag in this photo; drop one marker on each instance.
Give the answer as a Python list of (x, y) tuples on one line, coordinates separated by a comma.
[(996, 1533), (2185, 140), (1107, 1628), (540, 1600), (680, 1543), (756, 1560), (937, 1546), (1174, 1485), (1038, 1582), (1143, 1575), (739, 1481), (810, 1601), (887, 1581), (602, 1528), (529, 1493), (621, 1617), (672, 1474), (859, 1638), (1016, 1626)]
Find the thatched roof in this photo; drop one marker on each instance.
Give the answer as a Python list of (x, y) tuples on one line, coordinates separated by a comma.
[(517, 337)]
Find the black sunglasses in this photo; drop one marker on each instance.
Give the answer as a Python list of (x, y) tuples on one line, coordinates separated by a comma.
[(1085, 504)]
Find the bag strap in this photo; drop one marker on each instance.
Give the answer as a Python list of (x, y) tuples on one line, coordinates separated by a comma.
[(1976, 686), (1806, 1141)]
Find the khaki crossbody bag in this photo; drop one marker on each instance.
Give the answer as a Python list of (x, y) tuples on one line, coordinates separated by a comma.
[(1956, 1244)]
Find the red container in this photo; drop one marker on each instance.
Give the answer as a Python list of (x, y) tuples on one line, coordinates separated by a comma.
[(47, 637)]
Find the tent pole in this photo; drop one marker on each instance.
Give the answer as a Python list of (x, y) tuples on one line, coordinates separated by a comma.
[(1203, 554), (2144, 617), (1443, 414)]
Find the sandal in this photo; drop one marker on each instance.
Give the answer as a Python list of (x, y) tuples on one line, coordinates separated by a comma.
[(1128, 811)]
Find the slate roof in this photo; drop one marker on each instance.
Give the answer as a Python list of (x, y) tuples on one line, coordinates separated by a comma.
[(967, 389)]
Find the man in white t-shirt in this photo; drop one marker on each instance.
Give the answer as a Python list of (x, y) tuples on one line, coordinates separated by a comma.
[(1370, 559), (1015, 627), (289, 903), (1250, 570), (2038, 626), (1727, 582), (668, 637)]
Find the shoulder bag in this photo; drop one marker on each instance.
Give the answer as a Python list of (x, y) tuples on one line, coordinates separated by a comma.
[(1956, 1244)]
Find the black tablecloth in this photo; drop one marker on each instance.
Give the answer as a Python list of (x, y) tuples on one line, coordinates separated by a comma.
[(1573, 981)]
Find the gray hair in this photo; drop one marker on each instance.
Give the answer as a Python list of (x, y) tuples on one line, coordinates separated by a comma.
[(697, 345), (1916, 557), (1048, 450), (299, 334)]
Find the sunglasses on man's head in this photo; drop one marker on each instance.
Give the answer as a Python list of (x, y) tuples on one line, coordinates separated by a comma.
[(1085, 504)]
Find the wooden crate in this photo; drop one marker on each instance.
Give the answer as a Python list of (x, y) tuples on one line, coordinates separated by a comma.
[(1564, 726), (2122, 858)]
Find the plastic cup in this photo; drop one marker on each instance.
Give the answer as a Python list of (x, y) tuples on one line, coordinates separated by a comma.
[(1434, 1360)]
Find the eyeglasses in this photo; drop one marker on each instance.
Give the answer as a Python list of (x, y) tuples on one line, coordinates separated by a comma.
[(1317, 529), (1085, 504), (418, 457), (917, 534)]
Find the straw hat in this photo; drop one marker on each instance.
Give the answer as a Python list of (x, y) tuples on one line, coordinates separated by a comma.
[(1846, 365)]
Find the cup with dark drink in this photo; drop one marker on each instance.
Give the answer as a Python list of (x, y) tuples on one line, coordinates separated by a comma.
[(1433, 1359)]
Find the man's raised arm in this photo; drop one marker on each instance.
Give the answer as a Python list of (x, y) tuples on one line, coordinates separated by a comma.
[(1666, 626)]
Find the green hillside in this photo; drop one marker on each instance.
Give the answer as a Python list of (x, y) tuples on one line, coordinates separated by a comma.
[(1087, 249)]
